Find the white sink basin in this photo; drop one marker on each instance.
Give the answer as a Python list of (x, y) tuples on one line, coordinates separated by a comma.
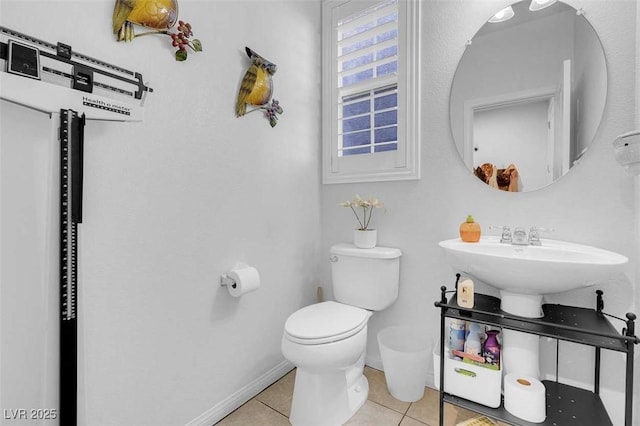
[(553, 267)]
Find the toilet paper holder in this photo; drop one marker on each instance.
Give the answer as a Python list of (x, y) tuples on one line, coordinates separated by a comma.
[(226, 280), (240, 280)]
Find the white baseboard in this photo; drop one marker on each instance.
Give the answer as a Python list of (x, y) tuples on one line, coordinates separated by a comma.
[(244, 394), (373, 362)]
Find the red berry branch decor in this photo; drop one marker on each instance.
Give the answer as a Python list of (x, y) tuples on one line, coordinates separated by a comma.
[(182, 40)]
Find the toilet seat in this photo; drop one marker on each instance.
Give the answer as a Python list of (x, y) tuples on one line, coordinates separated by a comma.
[(324, 323)]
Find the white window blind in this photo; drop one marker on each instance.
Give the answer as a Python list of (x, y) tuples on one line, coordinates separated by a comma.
[(370, 90), (367, 71)]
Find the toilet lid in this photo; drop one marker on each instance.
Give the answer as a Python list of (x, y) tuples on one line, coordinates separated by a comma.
[(325, 322)]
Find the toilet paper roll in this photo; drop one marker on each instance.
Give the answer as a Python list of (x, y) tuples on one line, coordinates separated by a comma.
[(524, 397), (246, 280)]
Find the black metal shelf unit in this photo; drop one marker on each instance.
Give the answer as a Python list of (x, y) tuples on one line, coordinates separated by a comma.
[(566, 405)]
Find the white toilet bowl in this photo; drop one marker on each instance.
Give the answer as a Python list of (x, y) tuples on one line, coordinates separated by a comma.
[(326, 342)]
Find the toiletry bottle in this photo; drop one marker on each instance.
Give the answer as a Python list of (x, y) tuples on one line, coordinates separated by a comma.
[(456, 335), (491, 350), (473, 345), (465, 293), (470, 230)]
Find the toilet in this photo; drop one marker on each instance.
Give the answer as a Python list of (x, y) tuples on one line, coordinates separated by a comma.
[(327, 341)]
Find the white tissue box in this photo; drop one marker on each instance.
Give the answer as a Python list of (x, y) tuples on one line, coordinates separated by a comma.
[(468, 381)]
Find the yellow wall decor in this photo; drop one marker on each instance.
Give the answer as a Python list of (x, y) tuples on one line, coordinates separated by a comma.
[(161, 16), (257, 88)]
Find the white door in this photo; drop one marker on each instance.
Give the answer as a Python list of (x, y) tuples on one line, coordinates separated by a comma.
[(551, 130), (29, 331), (562, 150)]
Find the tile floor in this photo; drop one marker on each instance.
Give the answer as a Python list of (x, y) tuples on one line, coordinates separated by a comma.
[(272, 407)]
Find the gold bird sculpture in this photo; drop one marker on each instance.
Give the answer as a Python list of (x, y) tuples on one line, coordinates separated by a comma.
[(156, 14), (257, 85)]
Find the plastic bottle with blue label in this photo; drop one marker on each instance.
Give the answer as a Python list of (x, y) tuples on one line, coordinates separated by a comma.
[(456, 334)]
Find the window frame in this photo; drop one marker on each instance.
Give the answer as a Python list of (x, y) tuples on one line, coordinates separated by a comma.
[(403, 163)]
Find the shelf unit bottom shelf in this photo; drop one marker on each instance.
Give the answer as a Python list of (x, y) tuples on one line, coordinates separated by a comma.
[(566, 406)]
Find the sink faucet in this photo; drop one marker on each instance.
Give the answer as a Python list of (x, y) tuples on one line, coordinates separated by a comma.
[(505, 237), (520, 237), (534, 236)]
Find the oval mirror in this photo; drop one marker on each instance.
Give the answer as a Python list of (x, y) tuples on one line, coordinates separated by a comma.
[(528, 95)]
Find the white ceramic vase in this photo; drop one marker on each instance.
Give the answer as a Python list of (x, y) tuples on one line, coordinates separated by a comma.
[(367, 238)]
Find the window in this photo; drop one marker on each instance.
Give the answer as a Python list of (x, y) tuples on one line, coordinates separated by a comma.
[(370, 90)]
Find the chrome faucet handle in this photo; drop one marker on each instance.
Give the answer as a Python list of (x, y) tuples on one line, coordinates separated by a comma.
[(540, 228), (505, 237), (534, 235)]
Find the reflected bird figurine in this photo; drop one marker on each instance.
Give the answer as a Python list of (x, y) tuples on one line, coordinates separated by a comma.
[(257, 85), (157, 14)]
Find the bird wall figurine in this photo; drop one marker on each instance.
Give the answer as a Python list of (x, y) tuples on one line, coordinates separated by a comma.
[(256, 88), (156, 14)]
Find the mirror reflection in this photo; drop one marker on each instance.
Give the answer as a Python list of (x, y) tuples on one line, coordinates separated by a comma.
[(528, 95)]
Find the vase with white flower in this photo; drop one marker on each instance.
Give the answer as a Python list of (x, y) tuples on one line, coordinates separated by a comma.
[(363, 236)]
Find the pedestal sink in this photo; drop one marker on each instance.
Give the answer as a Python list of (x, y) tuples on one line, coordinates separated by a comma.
[(523, 274)]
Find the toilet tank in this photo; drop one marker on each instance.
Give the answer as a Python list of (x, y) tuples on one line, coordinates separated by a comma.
[(367, 278)]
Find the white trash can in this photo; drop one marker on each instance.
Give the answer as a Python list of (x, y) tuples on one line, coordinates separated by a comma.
[(405, 360)]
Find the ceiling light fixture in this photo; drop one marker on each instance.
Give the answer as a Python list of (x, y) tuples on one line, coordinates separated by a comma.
[(503, 15), (540, 4)]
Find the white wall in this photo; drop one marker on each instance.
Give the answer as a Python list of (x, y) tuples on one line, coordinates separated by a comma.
[(175, 201), (592, 204)]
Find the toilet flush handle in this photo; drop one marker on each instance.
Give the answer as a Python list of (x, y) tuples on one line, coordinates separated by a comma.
[(333, 258)]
